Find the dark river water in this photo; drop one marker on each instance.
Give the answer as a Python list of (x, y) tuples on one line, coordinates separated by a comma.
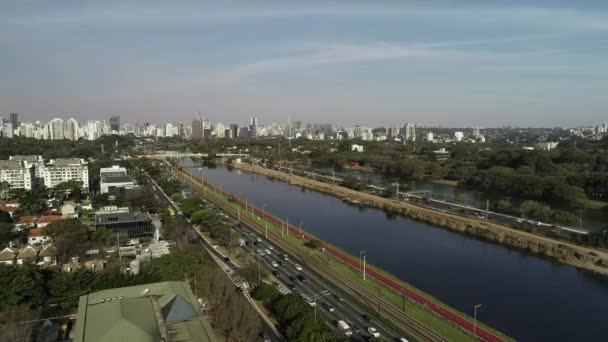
[(527, 297)]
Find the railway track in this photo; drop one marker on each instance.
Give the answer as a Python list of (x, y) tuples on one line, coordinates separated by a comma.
[(398, 317)]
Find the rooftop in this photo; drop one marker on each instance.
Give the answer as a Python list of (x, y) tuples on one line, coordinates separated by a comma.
[(152, 312), (36, 232), (67, 161), (49, 219), (121, 217), (28, 158), (116, 179), (10, 165)]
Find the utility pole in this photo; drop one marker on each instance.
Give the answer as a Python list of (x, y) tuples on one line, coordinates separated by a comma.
[(487, 209), (364, 256)]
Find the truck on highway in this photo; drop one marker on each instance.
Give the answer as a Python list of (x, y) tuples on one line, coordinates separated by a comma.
[(344, 327)]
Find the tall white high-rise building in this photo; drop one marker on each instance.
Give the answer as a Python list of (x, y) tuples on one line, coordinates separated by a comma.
[(410, 131), (56, 130), (93, 130), (71, 131)]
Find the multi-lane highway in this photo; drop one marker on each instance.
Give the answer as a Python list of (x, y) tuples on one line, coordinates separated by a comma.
[(329, 304)]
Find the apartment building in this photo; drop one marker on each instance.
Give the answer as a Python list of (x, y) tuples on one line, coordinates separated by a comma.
[(18, 174), (66, 169)]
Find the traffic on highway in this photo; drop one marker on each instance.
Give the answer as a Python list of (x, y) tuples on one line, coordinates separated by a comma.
[(292, 275)]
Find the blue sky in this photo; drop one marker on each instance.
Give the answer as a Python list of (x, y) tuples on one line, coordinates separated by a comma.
[(457, 63)]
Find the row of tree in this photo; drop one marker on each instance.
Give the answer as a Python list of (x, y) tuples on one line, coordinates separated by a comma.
[(296, 318)]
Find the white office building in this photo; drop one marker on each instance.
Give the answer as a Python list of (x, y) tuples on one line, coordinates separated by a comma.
[(66, 169)]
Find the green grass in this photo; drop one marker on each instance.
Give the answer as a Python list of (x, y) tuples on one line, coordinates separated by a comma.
[(428, 318)]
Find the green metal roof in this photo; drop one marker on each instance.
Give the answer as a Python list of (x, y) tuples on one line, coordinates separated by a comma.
[(164, 311)]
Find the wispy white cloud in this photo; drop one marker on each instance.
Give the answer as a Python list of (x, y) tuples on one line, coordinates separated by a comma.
[(182, 13)]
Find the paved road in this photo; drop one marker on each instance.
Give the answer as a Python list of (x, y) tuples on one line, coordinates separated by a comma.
[(164, 202), (310, 285)]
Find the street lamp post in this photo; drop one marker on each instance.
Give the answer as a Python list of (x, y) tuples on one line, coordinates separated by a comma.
[(362, 253), (475, 320), (301, 229), (315, 297), (264, 216)]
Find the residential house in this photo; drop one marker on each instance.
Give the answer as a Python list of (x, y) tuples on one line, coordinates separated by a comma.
[(8, 255), (69, 209), (28, 253), (10, 210), (48, 256), (26, 222), (44, 221), (38, 236)]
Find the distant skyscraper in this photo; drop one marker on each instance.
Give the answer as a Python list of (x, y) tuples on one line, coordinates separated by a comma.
[(410, 132), (476, 132), (71, 132), (56, 131), (115, 123), (253, 128), (197, 129), (234, 131), (15, 120)]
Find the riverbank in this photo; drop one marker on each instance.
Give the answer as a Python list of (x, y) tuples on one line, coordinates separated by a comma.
[(589, 259)]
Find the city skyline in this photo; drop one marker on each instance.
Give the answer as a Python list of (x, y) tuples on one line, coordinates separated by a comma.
[(534, 64)]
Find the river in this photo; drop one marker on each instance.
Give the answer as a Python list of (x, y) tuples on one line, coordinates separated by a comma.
[(527, 297)]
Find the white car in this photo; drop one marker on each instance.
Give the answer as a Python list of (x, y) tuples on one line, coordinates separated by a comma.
[(373, 331), (403, 339), (285, 257), (298, 267), (268, 252), (258, 239), (311, 302), (270, 247), (274, 264)]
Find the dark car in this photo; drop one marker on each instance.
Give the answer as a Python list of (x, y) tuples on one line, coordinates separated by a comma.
[(366, 317), (292, 278), (291, 286), (302, 278), (275, 273)]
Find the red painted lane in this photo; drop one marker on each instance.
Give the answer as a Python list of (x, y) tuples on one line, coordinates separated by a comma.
[(347, 259)]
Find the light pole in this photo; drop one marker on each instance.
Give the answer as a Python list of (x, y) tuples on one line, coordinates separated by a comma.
[(362, 253), (475, 320), (265, 221), (301, 229), (315, 297)]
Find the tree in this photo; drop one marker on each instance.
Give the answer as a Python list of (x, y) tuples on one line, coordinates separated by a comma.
[(71, 188), (503, 204), (6, 233), (100, 200), (314, 244), (71, 238), (190, 205), (9, 315), (5, 217)]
